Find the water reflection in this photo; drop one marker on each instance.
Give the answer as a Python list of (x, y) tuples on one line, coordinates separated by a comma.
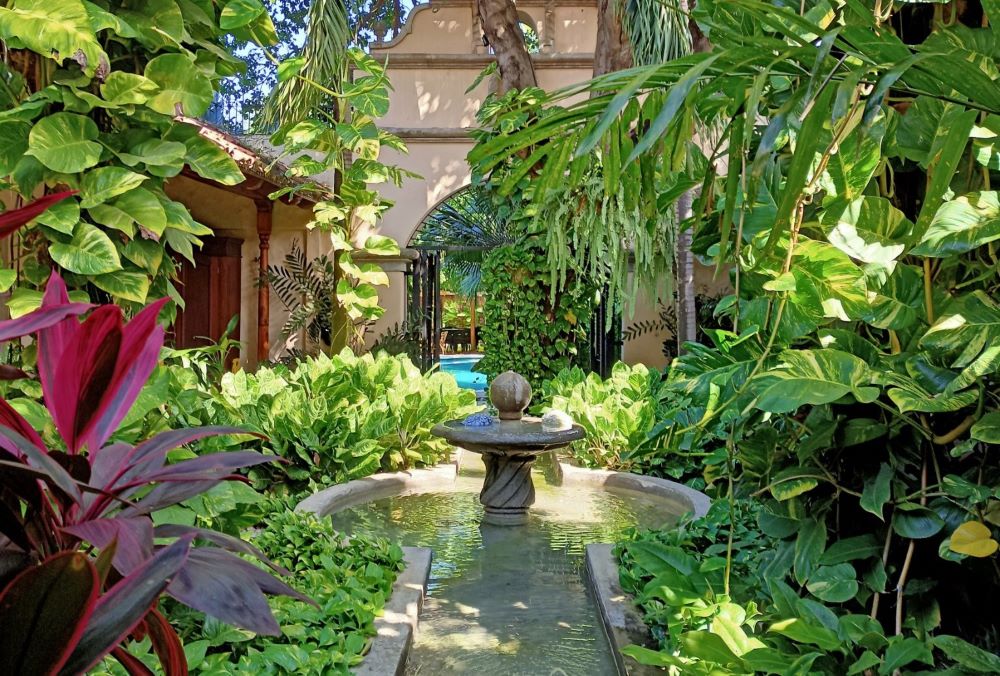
[(508, 600)]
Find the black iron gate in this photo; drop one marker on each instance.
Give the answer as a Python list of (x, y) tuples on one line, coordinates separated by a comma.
[(424, 306), (605, 337)]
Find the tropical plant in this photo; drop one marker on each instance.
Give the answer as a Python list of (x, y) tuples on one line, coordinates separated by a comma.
[(666, 323), (95, 99), (345, 417), (308, 291), (82, 554), (856, 394)]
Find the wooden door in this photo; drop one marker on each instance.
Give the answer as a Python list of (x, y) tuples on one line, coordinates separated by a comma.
[(211, 292)]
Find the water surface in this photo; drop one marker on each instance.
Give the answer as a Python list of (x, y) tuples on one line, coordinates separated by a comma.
[(508, 600)]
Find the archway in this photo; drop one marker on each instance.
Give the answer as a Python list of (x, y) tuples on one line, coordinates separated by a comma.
[(444, 299)]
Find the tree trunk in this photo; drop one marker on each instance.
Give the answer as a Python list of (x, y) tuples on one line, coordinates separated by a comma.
[(613, 51), (687, 317), (687, 309), (500, 25)]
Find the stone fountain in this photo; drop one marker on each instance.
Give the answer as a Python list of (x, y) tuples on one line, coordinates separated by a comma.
[(509, 445)]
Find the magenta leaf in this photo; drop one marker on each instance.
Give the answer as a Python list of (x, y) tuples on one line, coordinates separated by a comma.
[(124, 605), (43, 613), (12, 419), (134, 536), (209, 466), (39, 320), (40, 460), (141, 341)]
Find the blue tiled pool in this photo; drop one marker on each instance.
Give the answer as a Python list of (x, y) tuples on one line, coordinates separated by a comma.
[(460, 366)]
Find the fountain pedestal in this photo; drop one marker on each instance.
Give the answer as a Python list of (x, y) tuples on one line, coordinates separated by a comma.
[(509, 449)]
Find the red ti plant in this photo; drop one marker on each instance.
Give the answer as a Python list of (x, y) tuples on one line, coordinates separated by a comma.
[(82, 564)]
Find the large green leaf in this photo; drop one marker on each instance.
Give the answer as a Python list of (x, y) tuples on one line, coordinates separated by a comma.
[(967, 655), (65, 142), (877, 491), (969, 324), (62, 216), (961, 225), (127, 88), (212, 162), (946, 152), (60, 29), (813, 377), (857, 158), (158, 23), (182, 84), (239, 13), (834, 584), (899, 302), (868, 229), (910, 395), (987, 428), (101, 184), (43, 613), (368, 97), (13, 144), (90, 252), (133, 286), (144, 208), (915, 521)]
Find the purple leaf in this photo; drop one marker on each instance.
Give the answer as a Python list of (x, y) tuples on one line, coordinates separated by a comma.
[(39, 459), (209, 466), (167, 494), (134, 535), (40, 319), (220, 584), (43, 612), (228, 542), (124, 605)]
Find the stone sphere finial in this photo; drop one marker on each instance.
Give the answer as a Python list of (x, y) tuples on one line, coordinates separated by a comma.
[(511, 394)]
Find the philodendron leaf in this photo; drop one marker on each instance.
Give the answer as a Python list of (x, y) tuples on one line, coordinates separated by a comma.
[(915, 521), (43, 612), (967, 655), (968, 325), (100, 185), (212, 162), (91, 252), (987, 428), (380, 245), (65, 142), (239, 13), (834, 584), (961, 225), (814, 377), (973, 538), (877, 491), (126, 285), (127, 88), (60, 29), (182, 84)]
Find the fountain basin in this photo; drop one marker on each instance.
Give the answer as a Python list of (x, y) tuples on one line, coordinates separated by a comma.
[(509, 448)]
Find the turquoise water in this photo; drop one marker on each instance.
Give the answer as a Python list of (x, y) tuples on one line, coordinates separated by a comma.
[(460, 366)]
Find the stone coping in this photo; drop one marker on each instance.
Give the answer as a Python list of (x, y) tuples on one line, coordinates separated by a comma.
[(684, 498), (398, 624), (622, 620), (377, 486)]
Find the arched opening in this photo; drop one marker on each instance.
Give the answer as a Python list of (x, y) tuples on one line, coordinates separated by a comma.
[(444, 298)]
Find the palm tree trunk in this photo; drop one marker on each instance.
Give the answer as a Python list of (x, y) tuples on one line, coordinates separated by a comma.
[(498, 19)]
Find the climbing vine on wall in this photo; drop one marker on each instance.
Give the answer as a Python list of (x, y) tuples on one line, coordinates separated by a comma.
[(528, 329)]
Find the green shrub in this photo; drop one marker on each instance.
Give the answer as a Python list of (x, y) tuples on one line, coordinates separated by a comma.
[(623, 416), (346, 416)]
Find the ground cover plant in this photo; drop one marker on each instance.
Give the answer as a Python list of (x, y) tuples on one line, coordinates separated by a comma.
[(854, 391)]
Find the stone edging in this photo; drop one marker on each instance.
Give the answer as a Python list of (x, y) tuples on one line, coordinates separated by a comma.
[(622, 621), (336, 498), (398, 623), (687, 499)]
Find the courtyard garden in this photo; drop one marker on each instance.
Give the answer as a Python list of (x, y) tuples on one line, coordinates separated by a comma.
[(802, 479)]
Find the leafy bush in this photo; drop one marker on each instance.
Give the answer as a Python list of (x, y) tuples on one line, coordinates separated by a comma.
[(347, 416), (349, 579), (709, 619), (624, 416)]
